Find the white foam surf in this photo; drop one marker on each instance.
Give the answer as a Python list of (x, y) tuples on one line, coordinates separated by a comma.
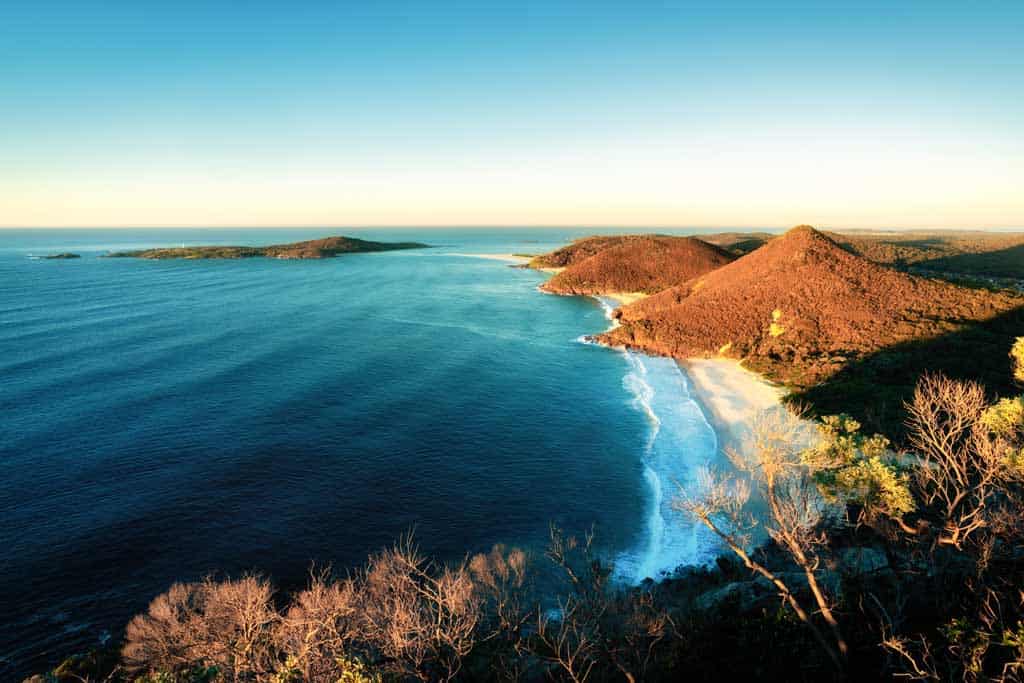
[(679, 442)]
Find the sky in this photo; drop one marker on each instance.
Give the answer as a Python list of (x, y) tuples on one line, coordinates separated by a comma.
[(859, 114)]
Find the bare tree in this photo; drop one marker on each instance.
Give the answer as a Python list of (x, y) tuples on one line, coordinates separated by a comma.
[(567, 640), (420, 617), (224, 624), (240, 615), (500, 578), (165, 638), (914, 658), (319, 627), (771, 467), (644, 625), (961, 463), (597, 625)]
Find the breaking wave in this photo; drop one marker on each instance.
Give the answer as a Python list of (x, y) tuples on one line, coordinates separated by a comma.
[(680, 441)]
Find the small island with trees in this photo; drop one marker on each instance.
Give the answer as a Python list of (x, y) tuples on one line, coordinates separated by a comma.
[(327, 247)]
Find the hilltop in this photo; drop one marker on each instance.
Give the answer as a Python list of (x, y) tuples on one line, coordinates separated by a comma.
[(641, 263), (974, 256), (803, 306), (310, 249), (579, 250)]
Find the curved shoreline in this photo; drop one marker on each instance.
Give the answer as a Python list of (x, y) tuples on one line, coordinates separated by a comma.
[(731, 397), (680, 442)]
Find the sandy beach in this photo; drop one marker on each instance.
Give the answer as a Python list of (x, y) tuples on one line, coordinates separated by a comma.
[(514, 259), (625, 298), (509, 258), (731, 396)]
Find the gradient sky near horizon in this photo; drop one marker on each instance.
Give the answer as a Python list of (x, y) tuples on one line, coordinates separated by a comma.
[(906, 114)]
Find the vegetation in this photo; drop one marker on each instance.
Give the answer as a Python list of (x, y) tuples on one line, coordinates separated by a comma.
[(948, 253), (1017, 354), (312, 249), (874, 564), (638, 263), (577, 251), (982, 254)]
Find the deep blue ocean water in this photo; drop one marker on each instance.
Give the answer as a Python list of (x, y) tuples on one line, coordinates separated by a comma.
[(162, 420)]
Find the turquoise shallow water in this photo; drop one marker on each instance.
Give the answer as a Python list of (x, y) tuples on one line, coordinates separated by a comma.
[(162, 420)]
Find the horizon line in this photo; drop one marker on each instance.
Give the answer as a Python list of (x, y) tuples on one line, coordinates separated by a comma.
[(515, 226)]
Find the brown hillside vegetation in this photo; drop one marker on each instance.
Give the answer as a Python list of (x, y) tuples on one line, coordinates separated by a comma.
[(801, 306), (577, 251), (738, 243), (964, 252), (970, 253), (645, 263)]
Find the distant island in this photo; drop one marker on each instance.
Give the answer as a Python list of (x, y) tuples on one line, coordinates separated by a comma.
[(65, 255), (327, 247)]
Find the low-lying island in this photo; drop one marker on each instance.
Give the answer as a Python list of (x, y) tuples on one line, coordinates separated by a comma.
[(327, 247)]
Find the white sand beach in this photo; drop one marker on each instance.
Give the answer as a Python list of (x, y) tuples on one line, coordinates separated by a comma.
[(731, 396), (625, 298), (510, 258)]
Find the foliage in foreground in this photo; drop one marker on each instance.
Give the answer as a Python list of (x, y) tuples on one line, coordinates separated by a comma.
[(878, 564)]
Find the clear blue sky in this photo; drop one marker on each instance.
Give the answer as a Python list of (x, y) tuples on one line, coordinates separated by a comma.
[(329, 113)]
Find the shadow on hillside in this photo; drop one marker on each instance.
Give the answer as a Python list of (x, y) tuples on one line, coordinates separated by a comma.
[(743, 247), (739, 243), (874, 388), (920, 243), (1007, 262)]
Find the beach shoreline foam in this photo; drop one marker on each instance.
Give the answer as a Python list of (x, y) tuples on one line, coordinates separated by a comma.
[(680, 442), (699, 410), (508, 258), (731, 397)]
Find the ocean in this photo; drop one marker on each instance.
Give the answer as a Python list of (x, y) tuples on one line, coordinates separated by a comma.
[(164, 420)]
